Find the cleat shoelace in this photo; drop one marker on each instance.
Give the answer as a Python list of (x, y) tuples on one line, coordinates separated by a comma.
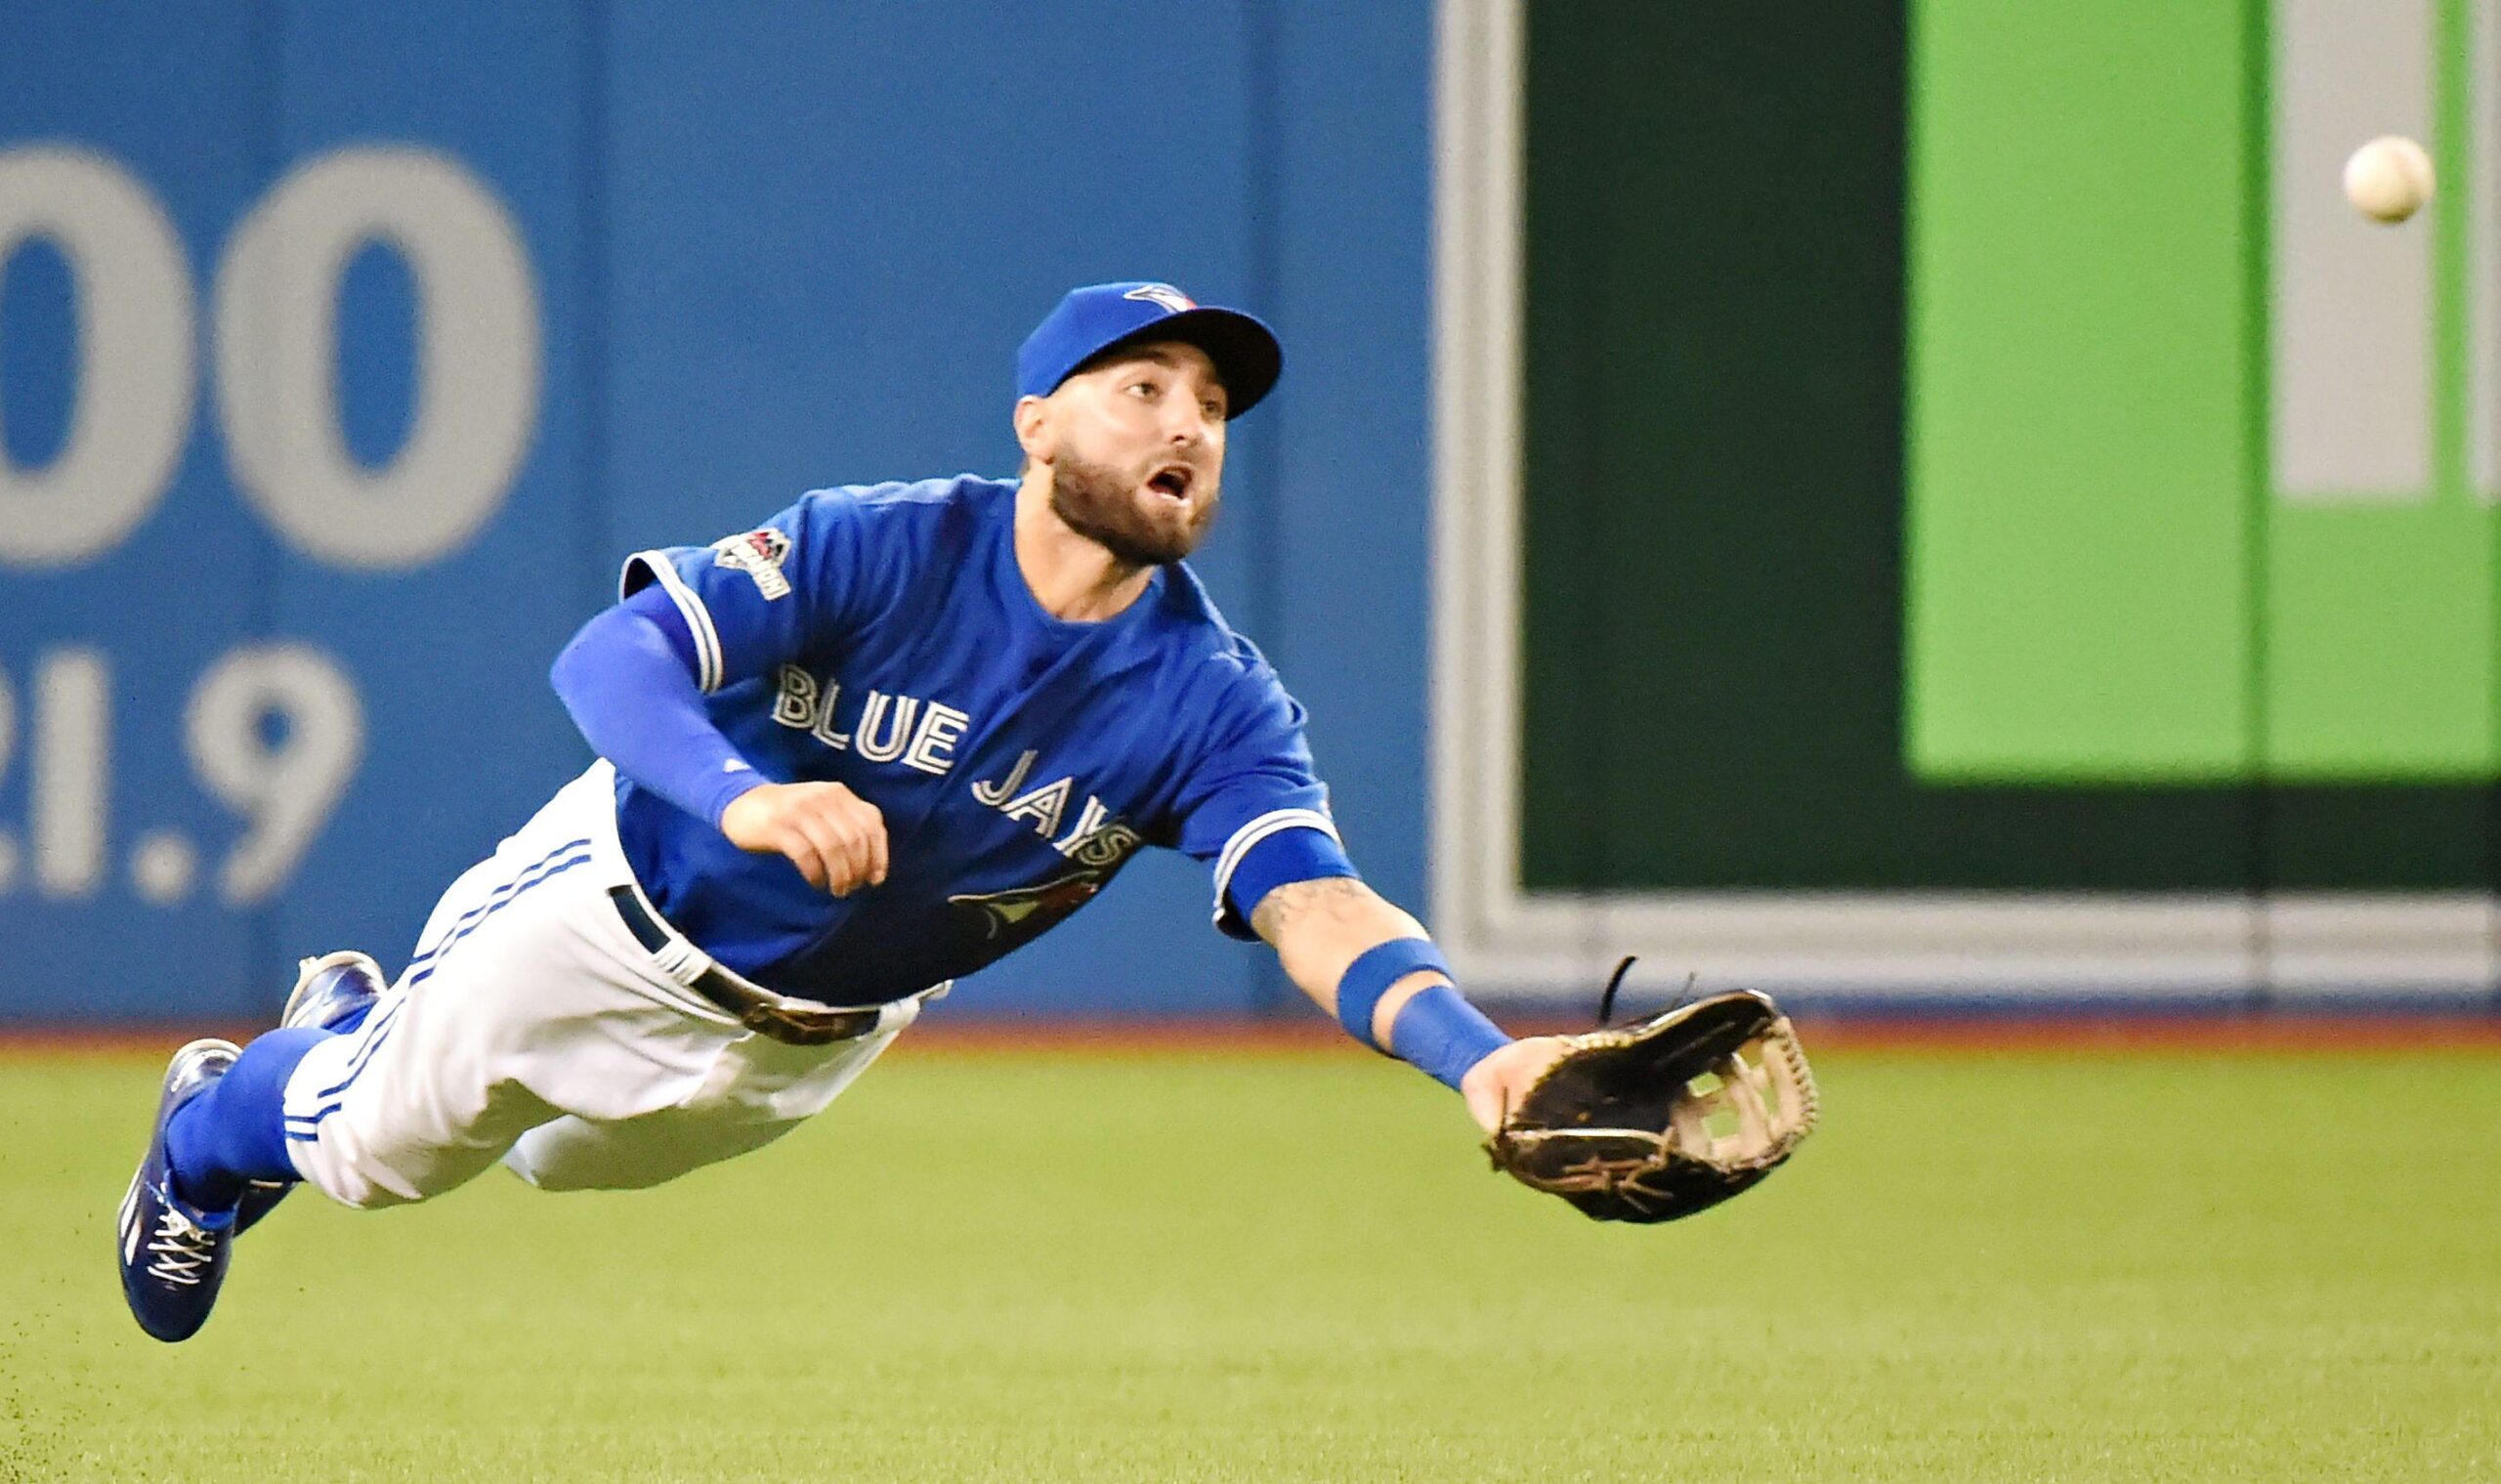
[(181, 1248)]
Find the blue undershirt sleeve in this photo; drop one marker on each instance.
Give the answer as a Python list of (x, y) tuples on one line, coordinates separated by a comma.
[(628, 678)]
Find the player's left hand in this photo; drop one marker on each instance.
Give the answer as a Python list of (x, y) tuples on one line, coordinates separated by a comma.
[(1495, 1085)]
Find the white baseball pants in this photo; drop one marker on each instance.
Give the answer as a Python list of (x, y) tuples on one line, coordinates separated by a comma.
[(533, 1027)]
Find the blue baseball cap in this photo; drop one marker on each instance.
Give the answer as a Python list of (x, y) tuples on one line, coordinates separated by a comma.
[(1102, 317)]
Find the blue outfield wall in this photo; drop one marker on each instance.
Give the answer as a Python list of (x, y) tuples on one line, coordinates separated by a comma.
[(345, 350)]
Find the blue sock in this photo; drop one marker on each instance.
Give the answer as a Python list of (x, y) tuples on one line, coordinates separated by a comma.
[(235, 1132)]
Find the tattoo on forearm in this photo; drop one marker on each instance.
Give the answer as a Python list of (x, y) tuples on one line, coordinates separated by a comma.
[(1281, 910)]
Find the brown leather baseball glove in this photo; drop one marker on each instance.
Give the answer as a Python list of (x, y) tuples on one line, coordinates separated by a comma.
[(1656, 1120)]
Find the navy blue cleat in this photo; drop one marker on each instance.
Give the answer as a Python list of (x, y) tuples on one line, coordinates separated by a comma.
[(333, 993), (173, 1255), (331, 990)]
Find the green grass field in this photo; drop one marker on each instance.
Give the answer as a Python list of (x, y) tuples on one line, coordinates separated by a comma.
[(1296, 1267)]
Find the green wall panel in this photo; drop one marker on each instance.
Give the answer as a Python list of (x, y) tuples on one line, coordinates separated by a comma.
[(2379, 647), (2078, 561)]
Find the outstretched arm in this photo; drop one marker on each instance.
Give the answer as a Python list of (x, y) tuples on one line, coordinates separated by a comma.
[(1336, 936)]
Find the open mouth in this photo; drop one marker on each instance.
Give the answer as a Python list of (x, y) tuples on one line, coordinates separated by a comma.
[(1172, 482)]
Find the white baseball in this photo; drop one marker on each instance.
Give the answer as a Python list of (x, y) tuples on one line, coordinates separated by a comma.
[(2388, 179)]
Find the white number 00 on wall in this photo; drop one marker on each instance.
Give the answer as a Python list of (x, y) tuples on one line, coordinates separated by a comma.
[(274, 335)]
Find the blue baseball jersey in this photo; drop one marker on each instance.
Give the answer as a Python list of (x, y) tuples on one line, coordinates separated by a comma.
[(883, 637)]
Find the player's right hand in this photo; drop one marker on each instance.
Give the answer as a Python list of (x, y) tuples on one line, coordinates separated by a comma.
[(1496, 1085), (835, 837)]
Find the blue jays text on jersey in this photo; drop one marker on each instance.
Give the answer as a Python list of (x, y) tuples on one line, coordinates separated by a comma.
[(884, 638)]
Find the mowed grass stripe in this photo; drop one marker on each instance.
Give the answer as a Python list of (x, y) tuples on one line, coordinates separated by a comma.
[(1241, 1266)]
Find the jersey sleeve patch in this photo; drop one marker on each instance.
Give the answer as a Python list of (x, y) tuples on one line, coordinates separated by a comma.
[(759, 554)]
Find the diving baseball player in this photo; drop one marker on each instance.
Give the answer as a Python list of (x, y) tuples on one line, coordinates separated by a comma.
[(846, 757)]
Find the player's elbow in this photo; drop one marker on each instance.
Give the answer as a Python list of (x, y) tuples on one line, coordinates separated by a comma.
[(573, 661), (620, 646), (1329, 918)]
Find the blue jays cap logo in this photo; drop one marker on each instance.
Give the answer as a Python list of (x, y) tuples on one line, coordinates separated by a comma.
[(1172, 299)]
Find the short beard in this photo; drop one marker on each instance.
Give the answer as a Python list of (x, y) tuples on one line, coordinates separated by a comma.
[(1097, 503)]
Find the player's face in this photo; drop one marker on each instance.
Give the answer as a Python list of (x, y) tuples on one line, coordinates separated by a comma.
[(1140, 458)]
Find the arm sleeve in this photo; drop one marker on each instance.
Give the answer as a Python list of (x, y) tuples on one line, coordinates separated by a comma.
[(754, 599), (1254, 809), (628, 680)]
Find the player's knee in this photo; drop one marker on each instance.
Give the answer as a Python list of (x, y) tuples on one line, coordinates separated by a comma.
[(559, 1177), (544, 1166), (575, 1154)]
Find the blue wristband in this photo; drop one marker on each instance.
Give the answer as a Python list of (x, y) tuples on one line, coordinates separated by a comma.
[(1442, 1035), (1370, 977)]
